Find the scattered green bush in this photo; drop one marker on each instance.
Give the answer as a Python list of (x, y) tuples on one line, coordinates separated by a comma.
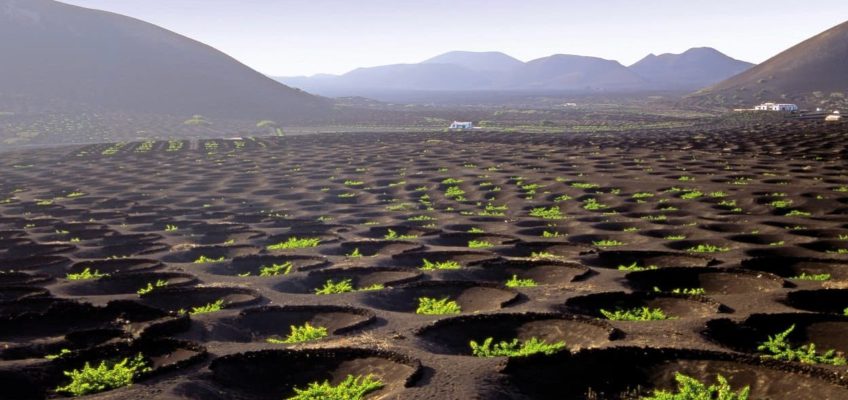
[(636, 314), (208, 308), (812, 277), (295, 243), (276, 269), (707, 248), (352, 388), (431, 266), (514, 282), (635, 267), (332, 287), (204, 260), (515, 348), (300, 334), (86, 274), (689, 388), (547, 213), (479, 244), (779, 349), (106, 376), (160, 283), (431, 306)]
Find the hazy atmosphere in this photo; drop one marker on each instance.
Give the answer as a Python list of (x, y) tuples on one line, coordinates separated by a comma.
[(305, 37), (423, 200)]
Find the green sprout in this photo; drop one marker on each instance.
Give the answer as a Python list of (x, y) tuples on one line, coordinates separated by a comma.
[(352, 388), (689, 388), (106, 376), (707, 248), (86, 274), (160, 283), (636, 314), (515, 348), (205, 260), (551, 213), (300, 334), (811, 277), (276, 269), (514, 282), (332, 287), (218, 305), (778, 348), (608, 243), (439, 265), (431, 306), (295, 243), (479, 244), (635, 267)]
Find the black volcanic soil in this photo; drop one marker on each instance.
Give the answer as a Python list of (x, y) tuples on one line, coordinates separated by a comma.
[(742, 215)]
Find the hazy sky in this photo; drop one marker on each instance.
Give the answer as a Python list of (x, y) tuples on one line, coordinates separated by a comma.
[(304, 37)]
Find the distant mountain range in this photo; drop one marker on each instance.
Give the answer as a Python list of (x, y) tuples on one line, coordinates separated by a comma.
[(812, 73), (482, 71), (94, 60)]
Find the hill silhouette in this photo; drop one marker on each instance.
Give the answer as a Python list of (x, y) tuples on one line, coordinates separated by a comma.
[(95, 60), (812, 73)]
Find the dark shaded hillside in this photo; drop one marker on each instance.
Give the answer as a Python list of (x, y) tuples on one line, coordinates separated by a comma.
[(813, 73), (57, 53)]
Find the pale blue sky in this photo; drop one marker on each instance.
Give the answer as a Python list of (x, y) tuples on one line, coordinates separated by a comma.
[(304, 37)]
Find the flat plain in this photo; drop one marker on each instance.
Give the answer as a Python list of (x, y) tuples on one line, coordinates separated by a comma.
[(205, 255)]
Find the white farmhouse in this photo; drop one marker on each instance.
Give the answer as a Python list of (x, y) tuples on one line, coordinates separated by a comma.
[(776, 107), (835, 117), (462, 126)]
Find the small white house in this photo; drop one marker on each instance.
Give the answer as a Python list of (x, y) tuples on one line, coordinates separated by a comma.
[(835, 117), (776, 107), (462, 126)]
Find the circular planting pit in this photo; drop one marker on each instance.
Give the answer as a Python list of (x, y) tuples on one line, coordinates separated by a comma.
[(12, 294), (64, 317), (40, 263), (833, 301), (542, 272), (631, 373), (471, 297), (40, 380), (15, 278), (123, 250), (712, 280), (370, 248), (175, 299), (558, 249), (274, 374), (126, 283), (261, 323), (254, 263), (36, 250), (127, 240), (452, 335), (380, 232), (673, 305), (210, 253), (360, 277), (116, 266), (824, 330), (789, 267), (416, 258), (462, 239), (659, 259)]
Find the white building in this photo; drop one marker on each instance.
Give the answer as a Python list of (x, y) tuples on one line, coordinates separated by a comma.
[(835, 117), (776, 107), (462, 126)]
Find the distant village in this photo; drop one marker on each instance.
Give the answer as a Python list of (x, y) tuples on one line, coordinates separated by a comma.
[(819, 113)]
